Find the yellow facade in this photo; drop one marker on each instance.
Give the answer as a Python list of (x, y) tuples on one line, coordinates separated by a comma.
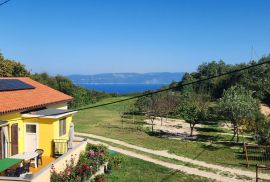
[(47, 130)]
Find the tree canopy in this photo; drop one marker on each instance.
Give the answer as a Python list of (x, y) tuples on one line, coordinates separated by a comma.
[(12, 68), (238, 106)]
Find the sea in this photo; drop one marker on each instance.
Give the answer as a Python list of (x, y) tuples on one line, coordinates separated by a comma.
[(121, 88)]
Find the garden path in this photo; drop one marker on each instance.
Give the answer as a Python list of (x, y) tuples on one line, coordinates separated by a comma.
[(185, 169), (189, 170)]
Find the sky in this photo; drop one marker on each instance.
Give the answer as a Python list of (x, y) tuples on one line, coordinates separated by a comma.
[(111, 36)]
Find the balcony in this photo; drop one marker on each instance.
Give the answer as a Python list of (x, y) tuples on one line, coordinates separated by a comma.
[(42, 172)]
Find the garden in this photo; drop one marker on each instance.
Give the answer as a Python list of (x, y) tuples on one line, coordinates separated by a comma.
[(91, 165)]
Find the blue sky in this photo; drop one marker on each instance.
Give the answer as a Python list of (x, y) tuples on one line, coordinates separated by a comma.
[(98, 36)]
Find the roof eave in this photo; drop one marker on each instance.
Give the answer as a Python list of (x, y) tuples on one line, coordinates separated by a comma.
[(34, 107)]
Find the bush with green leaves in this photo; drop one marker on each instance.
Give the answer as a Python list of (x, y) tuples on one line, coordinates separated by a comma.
[(115, 161), (262, 129)]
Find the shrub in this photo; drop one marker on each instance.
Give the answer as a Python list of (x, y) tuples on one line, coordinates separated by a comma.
[(115, 161)]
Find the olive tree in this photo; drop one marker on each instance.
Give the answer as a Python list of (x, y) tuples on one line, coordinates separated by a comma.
[(193, 109), (237, 106)]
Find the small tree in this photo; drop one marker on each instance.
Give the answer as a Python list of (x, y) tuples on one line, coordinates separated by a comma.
[(193, 109), (167, 104), (262, 129), (238, 106), (153, 109)]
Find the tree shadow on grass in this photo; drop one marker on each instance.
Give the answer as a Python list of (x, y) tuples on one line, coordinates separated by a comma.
[(211, 123), (208, 129), (162, 134), (206, 138), (119, 128)]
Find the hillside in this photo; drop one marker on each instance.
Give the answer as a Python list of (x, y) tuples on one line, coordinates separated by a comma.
[(128, 78)]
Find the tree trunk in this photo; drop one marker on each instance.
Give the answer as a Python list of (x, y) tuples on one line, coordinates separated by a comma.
[(235, 133), (152, 126), (191, 129), (161, 119)]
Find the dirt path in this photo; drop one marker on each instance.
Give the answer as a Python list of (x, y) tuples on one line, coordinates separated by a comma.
[(234, 171), (185, 169), (175, 127)]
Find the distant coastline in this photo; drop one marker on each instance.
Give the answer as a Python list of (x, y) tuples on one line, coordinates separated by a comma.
[(127, 78), (122, 88), (124, 83)]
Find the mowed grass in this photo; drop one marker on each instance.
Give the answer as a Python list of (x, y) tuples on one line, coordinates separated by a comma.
[(106, 121), (137, 170)]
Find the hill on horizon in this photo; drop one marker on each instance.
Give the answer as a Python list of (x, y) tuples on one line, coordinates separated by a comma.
[(127, 78)]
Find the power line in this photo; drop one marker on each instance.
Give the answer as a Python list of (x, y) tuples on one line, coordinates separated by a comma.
[(4, 2), (179, 86), (163, 90)]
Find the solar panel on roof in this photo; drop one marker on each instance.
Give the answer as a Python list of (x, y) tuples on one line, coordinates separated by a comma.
[(14, 84)]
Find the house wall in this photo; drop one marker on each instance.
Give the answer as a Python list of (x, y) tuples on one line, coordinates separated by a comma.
[(45, 134), (15, 118), (58, 106), (48, 129), (56, 128)]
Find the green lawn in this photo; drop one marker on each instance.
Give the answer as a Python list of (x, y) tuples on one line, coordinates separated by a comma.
[(106, 121), (136, 170)]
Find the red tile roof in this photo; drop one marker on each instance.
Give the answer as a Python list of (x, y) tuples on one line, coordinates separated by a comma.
[(40, 96)]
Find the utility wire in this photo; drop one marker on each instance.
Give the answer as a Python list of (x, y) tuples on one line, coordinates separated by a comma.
[(178, 86), (4, 2), (163, 90)]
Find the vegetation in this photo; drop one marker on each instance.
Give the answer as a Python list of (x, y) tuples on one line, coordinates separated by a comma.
[(89, 162), (256, 79), (82, 96), (193, 109), (210, 145), (237, 97), (262, 129), (12, 68), (239, 107)]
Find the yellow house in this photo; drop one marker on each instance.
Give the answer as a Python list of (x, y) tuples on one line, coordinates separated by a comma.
[(32, 116)]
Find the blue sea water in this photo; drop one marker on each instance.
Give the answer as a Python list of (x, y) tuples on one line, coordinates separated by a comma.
[(122, 88)]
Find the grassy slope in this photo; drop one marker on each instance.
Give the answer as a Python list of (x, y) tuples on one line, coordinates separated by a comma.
[(106, 121), (136, 170)]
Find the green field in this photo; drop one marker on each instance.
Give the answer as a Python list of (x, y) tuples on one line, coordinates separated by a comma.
[(106, 121), (136, 170)]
